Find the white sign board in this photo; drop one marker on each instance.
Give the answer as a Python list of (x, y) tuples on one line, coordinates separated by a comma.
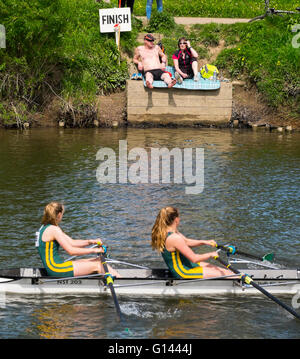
[(114, 16)]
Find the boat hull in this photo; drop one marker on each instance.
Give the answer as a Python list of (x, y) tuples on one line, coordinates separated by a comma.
[(143, 282)]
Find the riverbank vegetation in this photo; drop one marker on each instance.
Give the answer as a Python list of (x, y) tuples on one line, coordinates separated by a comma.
[(56, 60), (260, 53), (54, 51)]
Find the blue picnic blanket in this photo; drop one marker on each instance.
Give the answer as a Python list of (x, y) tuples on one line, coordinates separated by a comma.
[(189, 84)]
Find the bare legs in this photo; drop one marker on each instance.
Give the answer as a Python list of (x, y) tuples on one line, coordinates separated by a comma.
[(210, 270), (195, 68), (93, 265), (165, 77)]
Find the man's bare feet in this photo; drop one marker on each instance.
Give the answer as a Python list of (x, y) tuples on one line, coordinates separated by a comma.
[(149, 85), (172, 83)]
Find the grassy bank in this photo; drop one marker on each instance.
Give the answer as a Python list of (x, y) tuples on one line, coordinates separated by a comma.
[(260, 53), (55, 50), (216, 8), (56, 57)]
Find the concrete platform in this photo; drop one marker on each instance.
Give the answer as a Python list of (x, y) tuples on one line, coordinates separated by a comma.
[(178, 107)]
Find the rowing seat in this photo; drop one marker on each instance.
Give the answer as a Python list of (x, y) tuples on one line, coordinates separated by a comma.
[(161, 273)]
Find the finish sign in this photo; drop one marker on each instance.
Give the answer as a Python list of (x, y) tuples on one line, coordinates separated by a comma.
[(110, 18)]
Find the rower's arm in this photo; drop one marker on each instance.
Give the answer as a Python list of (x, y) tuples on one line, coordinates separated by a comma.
[(66, 243), (82, 242), (199, 242), (184, 249)]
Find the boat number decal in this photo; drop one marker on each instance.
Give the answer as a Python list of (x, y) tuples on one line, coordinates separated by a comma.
[(69, 281)]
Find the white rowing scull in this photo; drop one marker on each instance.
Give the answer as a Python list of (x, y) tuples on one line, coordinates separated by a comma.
[(147, 282)]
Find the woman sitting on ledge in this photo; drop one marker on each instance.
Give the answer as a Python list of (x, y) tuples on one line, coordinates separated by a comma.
[(176, 250), (185, 61), (50, 237)]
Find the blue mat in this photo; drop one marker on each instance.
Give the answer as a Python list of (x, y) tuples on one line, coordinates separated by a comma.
[(189, 84)]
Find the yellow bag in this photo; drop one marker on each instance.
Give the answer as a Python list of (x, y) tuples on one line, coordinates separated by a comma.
[(209, 72)]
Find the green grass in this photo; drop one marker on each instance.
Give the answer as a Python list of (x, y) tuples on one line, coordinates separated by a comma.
[(216, 8), (54, 47), (259, 52), (262, 53)]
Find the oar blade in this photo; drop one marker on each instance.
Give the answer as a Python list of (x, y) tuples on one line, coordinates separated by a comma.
[(268, 257)]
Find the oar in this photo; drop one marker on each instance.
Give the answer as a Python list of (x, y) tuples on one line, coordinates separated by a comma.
[(232, 250), (110, 284), (249, 280)]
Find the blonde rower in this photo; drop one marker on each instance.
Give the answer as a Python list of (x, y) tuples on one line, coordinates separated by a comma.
[(50, 237), (176, 250)]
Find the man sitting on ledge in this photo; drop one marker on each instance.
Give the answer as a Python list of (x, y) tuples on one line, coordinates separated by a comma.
[(147, 59)]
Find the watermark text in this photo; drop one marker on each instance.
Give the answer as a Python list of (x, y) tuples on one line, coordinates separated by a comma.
[(155, 165)]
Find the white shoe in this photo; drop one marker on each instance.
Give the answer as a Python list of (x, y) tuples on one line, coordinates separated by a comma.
[(178, 78), (196, 78)]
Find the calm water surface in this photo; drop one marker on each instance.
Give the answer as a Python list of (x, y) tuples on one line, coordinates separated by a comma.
[(250, 199)]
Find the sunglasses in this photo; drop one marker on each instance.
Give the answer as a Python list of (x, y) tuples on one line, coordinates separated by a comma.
[(182, 43), (149, 40)]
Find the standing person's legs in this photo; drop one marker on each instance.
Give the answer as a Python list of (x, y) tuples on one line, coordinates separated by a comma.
[(159, 4), (130, 3), (123, 3), (149, 8)]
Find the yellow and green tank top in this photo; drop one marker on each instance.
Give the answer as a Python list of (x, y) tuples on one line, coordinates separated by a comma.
[(180, 266), (53, 263)]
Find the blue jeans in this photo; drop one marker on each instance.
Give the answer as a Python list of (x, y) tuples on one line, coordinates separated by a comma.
[(149, 7)]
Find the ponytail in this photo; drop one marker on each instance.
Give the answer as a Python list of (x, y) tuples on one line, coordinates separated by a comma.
[(165, 218), (51, 212)]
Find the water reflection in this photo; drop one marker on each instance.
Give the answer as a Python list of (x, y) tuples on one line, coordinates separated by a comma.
[(250, 199), (67, 318)]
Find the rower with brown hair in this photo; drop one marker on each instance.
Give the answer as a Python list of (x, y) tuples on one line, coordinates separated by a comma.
[(50, 238), (176, 250)]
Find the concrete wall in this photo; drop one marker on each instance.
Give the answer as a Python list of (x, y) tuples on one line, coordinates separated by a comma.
[(180, 107)]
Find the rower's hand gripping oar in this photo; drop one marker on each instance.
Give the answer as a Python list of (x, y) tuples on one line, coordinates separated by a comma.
[(233, 250), (110, 281), (248, 280)]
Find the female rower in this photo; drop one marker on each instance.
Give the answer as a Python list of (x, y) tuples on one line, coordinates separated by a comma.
[(50, 237), (176, 250), (185, 61)]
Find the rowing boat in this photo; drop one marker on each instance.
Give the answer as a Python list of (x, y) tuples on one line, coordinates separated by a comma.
[(146, 282)]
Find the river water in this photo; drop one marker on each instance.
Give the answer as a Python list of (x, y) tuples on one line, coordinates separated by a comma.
[(250, 199)]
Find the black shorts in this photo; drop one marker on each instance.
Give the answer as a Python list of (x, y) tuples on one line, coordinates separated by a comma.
[(157, 74)]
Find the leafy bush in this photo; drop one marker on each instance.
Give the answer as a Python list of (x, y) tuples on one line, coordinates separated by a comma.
[(54, 48)]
